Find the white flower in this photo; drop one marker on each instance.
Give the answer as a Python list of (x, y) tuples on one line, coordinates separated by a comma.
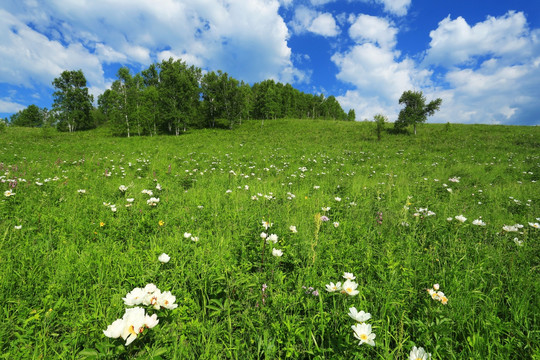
[(510, 228), (337, 199), (479, 222), (164, 258), (122, 188), (348, 276), (266, 224), (152, 201), (327, 208), (316, 187), (461, 218), (272, 238), (130, 200), (349, 288), (187, 235), (194, 238), (135, 297), (147, 192), (331, 287), (449, 218), (436, 286), (363, 333), (18, 227), (131, 325), (419, 354), (166, 300), (293, 229), (535, 225), (359, 316), (277, 252), (80, 191), (336, 224), (264, 235), (518, 242), (454, 179)]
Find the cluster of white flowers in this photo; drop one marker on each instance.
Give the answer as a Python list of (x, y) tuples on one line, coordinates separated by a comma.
[(512, 228), (437, 295), (423, 212), (152, 201), (348, 287), (272, 238), (8, 193), (133, 323), (123, 188), (479, 222), (135, 320), (362, 331)]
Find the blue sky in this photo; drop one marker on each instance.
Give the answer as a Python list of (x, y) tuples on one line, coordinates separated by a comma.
[(481, 57)]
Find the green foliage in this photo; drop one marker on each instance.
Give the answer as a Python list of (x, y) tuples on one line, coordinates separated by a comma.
[(3, 125), (66, 270), (32, 116), (351, 116), (416, 110), (380, 120), (72, 102)]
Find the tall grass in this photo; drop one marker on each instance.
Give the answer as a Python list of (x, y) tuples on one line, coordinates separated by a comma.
[(66, 270)]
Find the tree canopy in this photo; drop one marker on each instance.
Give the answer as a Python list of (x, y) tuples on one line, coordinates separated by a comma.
[(416, 110), (72, 102)]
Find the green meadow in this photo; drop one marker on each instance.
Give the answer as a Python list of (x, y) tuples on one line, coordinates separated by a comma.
[(456, 205)]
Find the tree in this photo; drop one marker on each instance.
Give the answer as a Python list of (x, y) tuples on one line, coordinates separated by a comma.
[(416, 111), (32, 116), (72, 102), (351, 116), (380, 120)]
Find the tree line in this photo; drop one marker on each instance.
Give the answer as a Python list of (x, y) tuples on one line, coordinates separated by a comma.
[(171, 97)]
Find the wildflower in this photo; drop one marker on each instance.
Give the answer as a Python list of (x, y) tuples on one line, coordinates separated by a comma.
[(130, 200), (187, 235), (419, 354), (277, 252), (131, 325), (80, 191), (272, 238), (135, 297), (510, 228), (518, 242), (436, 287), (228, 191), (479, 222), (349, 288), (122, 188), (336, 224), (325, 218), (461, 218), (266, 224), (315, 293), (264, 235), (449, 218), (333, 287), (161, 222), (194, 238), (327, 208), (152, 201), (293, 229), (164, 258), (454, 179), (147, 192), (166, 300), (101, 224), (535, 225), (18, 227), (338, 199), (359, 316), (363, 333), (348, 276)]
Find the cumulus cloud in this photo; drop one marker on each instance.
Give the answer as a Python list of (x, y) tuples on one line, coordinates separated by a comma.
[(309, 20), (396, 7), (246, 39), (367, 28), (492, 68), (455, 42), (8, 106)]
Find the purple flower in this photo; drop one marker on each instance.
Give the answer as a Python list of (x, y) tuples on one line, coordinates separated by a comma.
[(324, 218)]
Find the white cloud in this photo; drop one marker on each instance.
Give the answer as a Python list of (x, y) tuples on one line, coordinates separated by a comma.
[(455, 42), (308, 20), (8, 106), (379, 78), (324, 25), (395, 7), (248, 39), (367, 28)]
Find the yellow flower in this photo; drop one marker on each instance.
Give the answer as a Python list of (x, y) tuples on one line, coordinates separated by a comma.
[(101, 224), (161, 223)]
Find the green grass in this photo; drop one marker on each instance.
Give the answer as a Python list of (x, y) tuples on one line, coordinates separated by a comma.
[(63, 275)]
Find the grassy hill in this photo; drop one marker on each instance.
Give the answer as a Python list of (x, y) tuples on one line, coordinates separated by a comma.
[(390, 212)]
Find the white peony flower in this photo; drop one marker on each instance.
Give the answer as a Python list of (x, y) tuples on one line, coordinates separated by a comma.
[(363, 333), (277, 252), (164, 258), (359, 316)]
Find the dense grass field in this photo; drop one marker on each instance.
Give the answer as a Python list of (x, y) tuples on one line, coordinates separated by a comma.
[(401, 214)]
